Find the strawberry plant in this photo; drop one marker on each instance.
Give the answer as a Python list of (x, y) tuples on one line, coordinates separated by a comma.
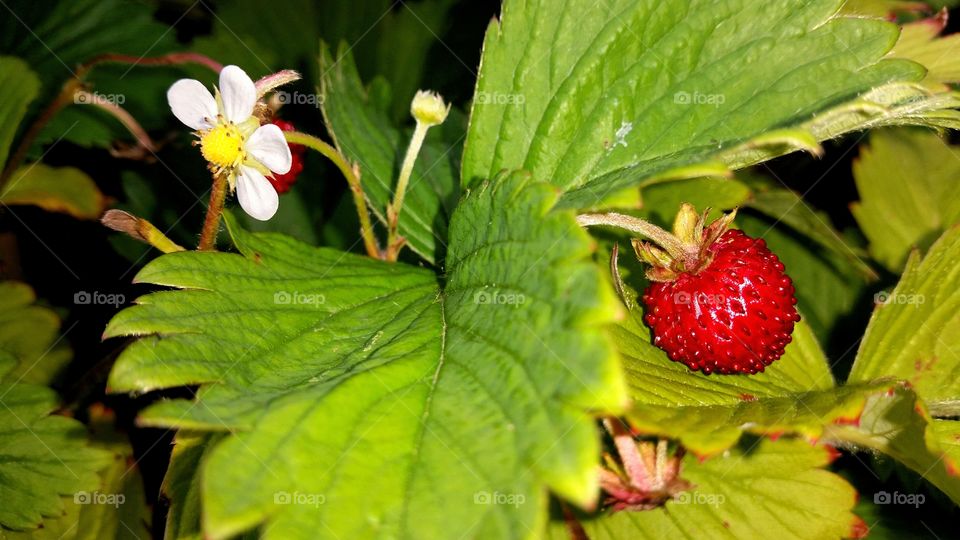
[(435, 269)]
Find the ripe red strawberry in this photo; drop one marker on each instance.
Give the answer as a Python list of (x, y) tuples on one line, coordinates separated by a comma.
[(725, 305), (283, 182)]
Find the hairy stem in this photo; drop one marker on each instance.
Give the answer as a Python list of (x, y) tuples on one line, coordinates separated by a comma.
[(211, 224), (394, 243), (171, 59), (664, 239), (125, 118), (353, 180)]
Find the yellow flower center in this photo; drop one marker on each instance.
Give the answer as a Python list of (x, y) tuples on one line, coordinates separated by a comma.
[(222, 145)]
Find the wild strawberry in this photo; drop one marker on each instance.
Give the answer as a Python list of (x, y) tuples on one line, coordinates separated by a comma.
[(720, 301), (283, 182)]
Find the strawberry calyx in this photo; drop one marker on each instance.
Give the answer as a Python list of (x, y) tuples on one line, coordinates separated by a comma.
[(695, 238)]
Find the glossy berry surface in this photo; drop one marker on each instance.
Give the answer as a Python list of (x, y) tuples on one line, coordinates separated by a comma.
[(734, 316), (283, 182)]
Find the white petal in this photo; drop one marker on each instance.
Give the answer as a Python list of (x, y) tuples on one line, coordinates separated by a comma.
[(238, 93), (256, 194), (268, 146), (192, 104)]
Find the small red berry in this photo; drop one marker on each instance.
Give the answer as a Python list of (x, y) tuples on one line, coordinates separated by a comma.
[(283, 182), (732, 313)]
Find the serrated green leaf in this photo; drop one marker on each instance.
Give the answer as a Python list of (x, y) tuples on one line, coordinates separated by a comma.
[(713, 428), (597, 103), (897, 424), (907, 180), (181, 484), (921, 42), (915, 329), (30, 335), (769, 490), (42, 457), (364, 134), (18, 87), (57, 189), (384, 379), (656, 380), (116, 508)]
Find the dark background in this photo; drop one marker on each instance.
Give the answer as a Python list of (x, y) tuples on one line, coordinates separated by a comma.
[(60, 256)]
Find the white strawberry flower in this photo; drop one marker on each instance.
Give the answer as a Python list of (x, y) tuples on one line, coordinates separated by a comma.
[(232, 139)]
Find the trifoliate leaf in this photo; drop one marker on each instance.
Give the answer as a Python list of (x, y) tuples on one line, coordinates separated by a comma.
[(599, 97), (364, 134), (907, 180), (765, 490), (363, 395)]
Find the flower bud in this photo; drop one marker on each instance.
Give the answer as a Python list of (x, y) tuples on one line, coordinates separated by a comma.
[(428, 108)]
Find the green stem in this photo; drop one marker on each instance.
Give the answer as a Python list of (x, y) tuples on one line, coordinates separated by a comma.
[(211, 224), (353, 180), (664, 239), (394, 242)]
